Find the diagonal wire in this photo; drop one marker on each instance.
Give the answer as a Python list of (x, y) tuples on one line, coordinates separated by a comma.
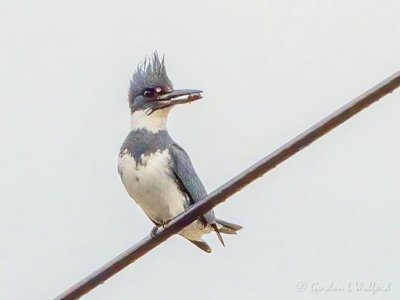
[(232, 186)]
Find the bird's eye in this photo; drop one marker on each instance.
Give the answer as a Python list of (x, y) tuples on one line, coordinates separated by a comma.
[(151, 91), (148, 93)]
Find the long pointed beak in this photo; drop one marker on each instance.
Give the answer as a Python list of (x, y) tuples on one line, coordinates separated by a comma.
[(180, 96)]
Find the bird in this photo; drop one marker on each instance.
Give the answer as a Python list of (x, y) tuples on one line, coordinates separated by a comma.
[(155, 171)]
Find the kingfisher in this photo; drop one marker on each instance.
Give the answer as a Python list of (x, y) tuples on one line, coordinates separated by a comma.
[(156, 172)]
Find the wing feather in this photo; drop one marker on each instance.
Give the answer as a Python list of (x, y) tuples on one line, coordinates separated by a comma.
[(188, 178)]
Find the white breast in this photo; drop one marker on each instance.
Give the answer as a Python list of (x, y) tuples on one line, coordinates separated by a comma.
[(150, 184)]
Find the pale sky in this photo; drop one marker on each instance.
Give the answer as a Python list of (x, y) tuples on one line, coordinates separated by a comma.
[(269, 70)]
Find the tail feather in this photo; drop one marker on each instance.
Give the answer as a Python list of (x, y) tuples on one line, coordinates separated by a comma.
[(202, 245), (227, 227), (219, 226), (216, 229), (226, 230)]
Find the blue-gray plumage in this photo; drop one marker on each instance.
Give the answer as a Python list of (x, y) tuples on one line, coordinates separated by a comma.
[(157, 173)]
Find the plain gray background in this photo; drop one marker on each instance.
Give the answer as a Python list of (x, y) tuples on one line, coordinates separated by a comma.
[(269, 70)]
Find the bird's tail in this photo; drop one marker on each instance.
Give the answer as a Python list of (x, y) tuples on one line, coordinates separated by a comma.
[(225, 227), (219, 227)]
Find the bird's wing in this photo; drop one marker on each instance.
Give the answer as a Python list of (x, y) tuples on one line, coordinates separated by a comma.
[(187, 178)]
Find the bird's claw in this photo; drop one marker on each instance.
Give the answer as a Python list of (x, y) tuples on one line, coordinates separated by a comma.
[(154, 230)]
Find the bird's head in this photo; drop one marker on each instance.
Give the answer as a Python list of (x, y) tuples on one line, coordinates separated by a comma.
[(151, 94)]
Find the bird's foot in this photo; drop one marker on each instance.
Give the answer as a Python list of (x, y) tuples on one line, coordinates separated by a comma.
[(165, 223), (154, 230)]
